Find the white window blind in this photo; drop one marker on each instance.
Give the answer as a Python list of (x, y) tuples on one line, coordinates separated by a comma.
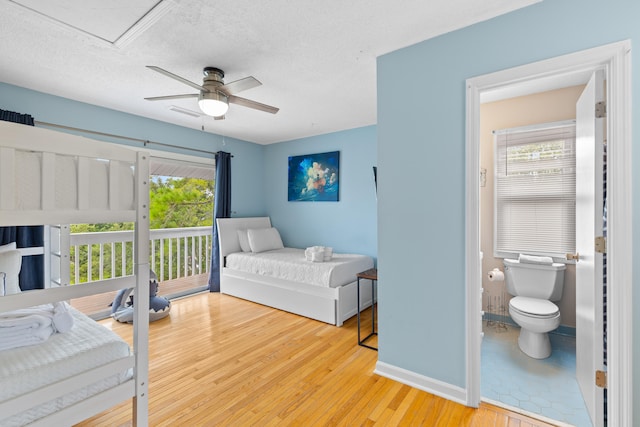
[(535, 190)]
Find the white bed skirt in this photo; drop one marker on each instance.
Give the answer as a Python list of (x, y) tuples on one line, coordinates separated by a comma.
[(329, 305)]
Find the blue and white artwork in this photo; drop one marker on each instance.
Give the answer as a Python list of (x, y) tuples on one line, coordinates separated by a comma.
[(314, 177)]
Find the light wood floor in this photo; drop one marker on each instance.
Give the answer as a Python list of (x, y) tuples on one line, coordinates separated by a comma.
[(221, 361)]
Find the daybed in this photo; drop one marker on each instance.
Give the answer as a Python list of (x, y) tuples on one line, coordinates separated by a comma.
[(49, 177), (324, 291)]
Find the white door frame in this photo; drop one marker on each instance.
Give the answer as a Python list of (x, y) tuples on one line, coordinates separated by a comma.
[(615, 59)]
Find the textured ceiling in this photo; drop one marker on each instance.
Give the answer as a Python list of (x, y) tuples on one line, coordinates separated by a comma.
[(316, 60)]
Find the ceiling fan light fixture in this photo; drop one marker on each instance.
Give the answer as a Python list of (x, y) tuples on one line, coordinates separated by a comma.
[(213, 103)]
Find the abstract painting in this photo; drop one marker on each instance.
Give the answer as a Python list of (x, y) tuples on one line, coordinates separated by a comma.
[(314, 177)]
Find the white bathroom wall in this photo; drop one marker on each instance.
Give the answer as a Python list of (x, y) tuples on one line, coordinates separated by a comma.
[(543, 107)]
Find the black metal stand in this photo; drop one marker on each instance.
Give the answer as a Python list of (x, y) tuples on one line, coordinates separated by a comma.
[(373, 276)]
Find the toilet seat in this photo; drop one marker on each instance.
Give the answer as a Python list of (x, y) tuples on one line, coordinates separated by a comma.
[(534, 307)]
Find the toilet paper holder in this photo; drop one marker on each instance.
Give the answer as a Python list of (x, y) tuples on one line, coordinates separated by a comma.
[(495, 275)]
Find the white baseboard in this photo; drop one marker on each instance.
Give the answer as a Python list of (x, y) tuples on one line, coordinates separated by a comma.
[(430, 385)]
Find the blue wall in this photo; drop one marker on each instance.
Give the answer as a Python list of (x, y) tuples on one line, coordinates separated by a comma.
[(248, 198), (348, 225), (421, 152)]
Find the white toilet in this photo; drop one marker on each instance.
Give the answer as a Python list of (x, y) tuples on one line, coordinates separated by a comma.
[(534, 286)]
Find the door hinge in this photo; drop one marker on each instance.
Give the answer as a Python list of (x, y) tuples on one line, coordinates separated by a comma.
[(601, 244), (601, 379), (601, 109)]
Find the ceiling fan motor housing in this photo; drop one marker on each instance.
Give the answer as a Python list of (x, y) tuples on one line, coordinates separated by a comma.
[(213, 70), (213, 79)]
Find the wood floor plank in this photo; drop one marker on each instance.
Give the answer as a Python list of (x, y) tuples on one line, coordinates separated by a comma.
[(222, 361), (486, 417), (402, 406)]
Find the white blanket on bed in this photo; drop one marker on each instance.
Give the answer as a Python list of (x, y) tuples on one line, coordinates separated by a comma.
[(33, 325), (290, 264)]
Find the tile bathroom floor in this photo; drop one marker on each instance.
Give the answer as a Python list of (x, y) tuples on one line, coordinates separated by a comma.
[(547, 387)]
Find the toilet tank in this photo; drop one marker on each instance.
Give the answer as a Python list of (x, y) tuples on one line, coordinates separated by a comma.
[(544, 281)]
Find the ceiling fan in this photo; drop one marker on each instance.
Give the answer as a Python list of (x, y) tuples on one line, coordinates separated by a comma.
[(215, 95)]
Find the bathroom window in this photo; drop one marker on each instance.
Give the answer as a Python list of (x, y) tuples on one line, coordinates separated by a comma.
[(535, 190)]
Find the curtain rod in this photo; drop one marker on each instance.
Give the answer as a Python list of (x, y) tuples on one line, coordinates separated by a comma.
[(111, 135)]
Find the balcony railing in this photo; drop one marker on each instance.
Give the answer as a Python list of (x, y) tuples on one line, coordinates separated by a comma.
[(174, 253)]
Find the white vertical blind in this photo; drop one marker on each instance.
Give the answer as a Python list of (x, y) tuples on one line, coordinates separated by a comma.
[(535, 190)]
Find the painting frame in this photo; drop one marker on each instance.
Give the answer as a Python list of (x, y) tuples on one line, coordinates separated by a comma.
[(314, 177)]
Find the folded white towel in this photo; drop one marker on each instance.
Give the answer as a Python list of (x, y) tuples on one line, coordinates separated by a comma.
[(26, 337), (33, 325), (328, 253), (56, 315), (15, 326), (314, 253), (24, 330), (532, 259)]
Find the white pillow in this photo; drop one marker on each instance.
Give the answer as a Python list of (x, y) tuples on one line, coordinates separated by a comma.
[(243, 238), (264, 239), (8, 247), (10, 264)]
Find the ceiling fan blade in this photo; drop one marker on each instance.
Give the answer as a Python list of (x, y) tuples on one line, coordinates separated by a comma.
[(176, 77), (162, 98), (239, 85), (253, 104)]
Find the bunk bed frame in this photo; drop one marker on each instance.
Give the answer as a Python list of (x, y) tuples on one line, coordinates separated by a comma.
[(52, 186)]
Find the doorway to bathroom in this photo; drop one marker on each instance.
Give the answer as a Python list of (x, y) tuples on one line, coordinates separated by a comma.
[(527, 206), (560, 76)]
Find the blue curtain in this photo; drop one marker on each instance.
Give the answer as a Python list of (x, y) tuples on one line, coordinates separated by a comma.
[(221, 209), (32, 271)]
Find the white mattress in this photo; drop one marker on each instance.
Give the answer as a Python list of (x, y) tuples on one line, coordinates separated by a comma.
[(88, 345), (290, 264)]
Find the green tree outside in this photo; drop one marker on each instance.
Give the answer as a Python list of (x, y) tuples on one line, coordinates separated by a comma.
[(180, 202)]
